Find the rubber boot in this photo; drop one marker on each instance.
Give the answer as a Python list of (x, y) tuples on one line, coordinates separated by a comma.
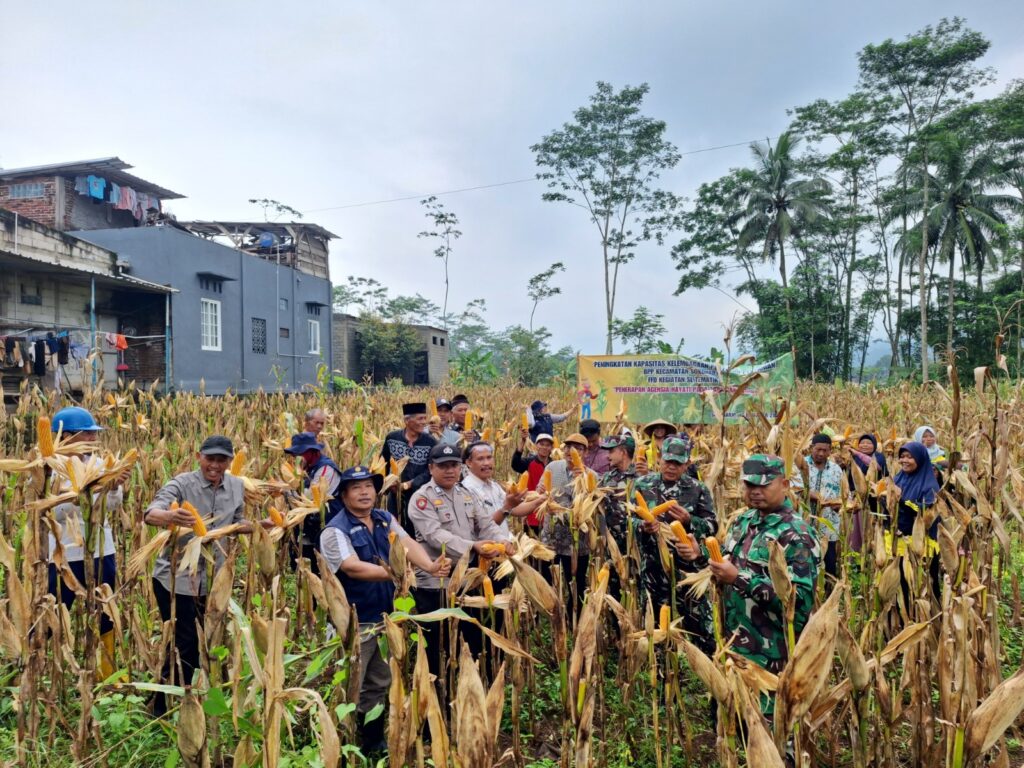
[(106, 666)]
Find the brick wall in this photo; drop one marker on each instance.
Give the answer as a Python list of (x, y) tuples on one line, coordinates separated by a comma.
[(42, 209)]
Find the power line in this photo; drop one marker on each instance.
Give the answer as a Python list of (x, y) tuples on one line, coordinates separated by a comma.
[(497, 184)]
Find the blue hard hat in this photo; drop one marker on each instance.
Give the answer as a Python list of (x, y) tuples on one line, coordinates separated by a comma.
[(352, 474), (74, 419)]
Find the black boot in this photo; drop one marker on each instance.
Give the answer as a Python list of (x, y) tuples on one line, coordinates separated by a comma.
[(373, 741)]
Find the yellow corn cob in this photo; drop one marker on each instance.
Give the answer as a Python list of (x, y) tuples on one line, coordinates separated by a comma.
[(392, 535), (524, 482), (492, 549), (574, 459), (469, 420), (111, 400), (642, 510), (488, 591), (546, 480), (591, 482), (554, 442), (393, 466), (318, 494), (238, 463), (602, 575), (679, 531), (665, 618), (847, 432), (486, 436), (198, 526), (432, 407), (524, 421), (276, 518), (45, 437), (662, 508), (714, 551)]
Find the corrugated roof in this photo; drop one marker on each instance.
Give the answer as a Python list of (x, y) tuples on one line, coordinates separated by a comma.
[(110, 168), (254, 228)]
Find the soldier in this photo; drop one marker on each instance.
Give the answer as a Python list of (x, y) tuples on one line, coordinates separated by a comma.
[(621, 477), (753, 612), (695, 510), (445, 514)]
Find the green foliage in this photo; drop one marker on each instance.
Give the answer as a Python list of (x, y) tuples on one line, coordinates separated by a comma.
[(386, 349), (642, 333)]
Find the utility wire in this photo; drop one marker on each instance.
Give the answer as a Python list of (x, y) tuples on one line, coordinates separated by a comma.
[(498, 184)]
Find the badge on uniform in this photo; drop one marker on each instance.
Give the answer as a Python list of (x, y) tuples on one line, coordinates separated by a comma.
[(438, 502), (421, 503)]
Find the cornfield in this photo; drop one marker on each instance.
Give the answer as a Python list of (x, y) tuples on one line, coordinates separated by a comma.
[(878, 677)]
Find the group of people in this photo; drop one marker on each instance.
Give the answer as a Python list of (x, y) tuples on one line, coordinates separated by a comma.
[(447, 503)]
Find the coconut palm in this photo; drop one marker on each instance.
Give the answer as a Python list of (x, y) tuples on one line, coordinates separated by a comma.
[(776, 202), (964, 216)]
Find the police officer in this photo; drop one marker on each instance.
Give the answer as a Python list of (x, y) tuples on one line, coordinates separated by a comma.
[(354, 545), (319, 468), (445, 514), (694, 508)]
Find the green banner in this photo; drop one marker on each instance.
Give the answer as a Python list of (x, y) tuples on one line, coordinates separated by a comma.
[(670, 387)]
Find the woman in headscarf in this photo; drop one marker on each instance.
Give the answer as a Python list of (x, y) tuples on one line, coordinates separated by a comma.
[(926, 436), (866, 455), (918, 488)]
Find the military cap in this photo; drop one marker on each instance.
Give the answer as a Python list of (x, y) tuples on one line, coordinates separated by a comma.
[(360, 472), (762, 469), (675, 449), (614, 441), (442, 453)]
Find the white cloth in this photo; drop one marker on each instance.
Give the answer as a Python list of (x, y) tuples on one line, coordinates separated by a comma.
[(72, 522), (490, 495)]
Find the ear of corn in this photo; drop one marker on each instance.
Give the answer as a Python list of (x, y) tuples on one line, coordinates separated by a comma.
[(432, 407), (198, 526), (642, 510), (238, 463), (546, 480), (714, 551), (664, 618), (524, 421), (574, 459), (45, 437), (679, 531), (488, 591), (524, 482), (662, 508)]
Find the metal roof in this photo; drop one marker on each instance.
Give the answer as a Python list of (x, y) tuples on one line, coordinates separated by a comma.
[(110, 168), (254, 228), (104, 278)]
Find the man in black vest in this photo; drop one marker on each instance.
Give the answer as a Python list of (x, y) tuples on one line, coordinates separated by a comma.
[(356, 545), (319, 468)]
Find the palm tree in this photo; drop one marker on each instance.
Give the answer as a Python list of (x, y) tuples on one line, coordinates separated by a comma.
[(962, 215), (776, 202)]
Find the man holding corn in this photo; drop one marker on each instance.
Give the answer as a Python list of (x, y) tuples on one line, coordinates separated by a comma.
[(219, 499), (693, 508), (753, 611), (621, 478)]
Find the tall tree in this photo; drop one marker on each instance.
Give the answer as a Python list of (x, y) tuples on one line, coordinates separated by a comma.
[(606, 162), (777, 201), (541, 287), (641, 333), (928, 73), (445, 231)]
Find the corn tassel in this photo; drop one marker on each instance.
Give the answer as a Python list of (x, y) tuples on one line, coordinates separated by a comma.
[(714, 551), (642, 510)]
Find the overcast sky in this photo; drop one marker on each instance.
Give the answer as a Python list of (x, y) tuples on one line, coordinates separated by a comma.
[(323, 105)]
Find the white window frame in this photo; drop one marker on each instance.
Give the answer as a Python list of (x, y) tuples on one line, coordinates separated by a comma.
[(313, 327), (210, 314)]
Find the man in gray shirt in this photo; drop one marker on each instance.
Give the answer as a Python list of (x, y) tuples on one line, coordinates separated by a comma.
[(220, 500)]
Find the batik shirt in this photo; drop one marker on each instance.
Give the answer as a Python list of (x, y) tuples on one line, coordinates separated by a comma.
[(752, 609), (827, 483)]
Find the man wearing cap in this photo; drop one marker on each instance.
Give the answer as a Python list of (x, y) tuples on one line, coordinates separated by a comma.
[(824, 495), (621, 478), (534, 465), (356, 546), (220, 500), (446, 515), (543, 423), (413, 441), (595, 457), (556, 532), (695, 510), (456, 432), (319, 469), (478, 458), (753, 611), (444, 418), (656, 432)]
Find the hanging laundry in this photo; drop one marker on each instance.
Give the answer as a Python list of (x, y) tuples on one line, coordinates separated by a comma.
[(17, 356), (96, 186), (123, 200), (63, 348), (120, 343), (82, 185), (115, 193), (51, 342), (111, 339), (39, 359)]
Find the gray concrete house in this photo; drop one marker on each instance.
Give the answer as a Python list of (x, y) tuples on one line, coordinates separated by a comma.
[(429, 369)]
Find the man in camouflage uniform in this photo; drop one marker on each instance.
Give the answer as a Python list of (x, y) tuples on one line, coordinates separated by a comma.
[(621, 478), (753, 612), (695, 510)]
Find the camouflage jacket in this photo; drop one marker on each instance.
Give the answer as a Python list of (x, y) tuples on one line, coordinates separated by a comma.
[(616, 518), (752, 609), (696, 498)]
